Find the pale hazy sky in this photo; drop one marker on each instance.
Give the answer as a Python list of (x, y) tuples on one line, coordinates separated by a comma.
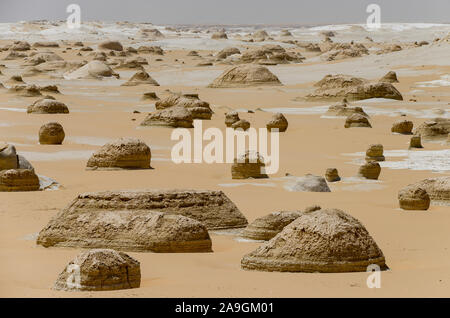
[(229, 11)]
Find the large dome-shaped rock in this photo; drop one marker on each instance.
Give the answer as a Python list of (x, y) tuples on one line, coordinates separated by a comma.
[(92, 70), (353, 88), (404, 127), (51, 134), (99, 270), (307, 183), (266, 227), (128, 230), (370, 170), (198, 108), (375, 153), (437, 128), (437, 188), (328, 240), (176, 116), (124, 153), (279, 122), (357, 120), (141, 78), (245, 75), (413, 197), (18, 180), (47, 106), (111, 45), (248, 165)]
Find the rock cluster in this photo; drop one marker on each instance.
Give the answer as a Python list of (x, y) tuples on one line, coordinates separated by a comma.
[(100, 270), (437, 128)]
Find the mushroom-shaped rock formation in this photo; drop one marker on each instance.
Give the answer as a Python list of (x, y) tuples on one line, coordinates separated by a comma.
[(327, 240), (248, 165), (404, 127), (241, 124), (279, 122), (124, 153), (413, 197), (437, 188), (357, 120), (437, 128), (390, 77), (375, 153), (245, 75), (415, 142), (307, 183), (99, 270), (266, 227), (176, 116), (332, 175), (111, 45), (47, 106), (51, 134), (231, 118), (212, 208), (141, 78), (18, 180), (198, 108), (353, 88), (370, 170)]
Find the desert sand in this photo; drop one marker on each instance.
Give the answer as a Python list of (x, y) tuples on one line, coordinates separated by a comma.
[(100, 109)]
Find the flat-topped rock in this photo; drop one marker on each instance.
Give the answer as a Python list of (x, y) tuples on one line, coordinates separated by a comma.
[(248, 165), (100, 270), (212, 208), (124, 153), (18, 180), (415, 142), (51, 134), (404, 127), (437, 188), (326, 240)]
